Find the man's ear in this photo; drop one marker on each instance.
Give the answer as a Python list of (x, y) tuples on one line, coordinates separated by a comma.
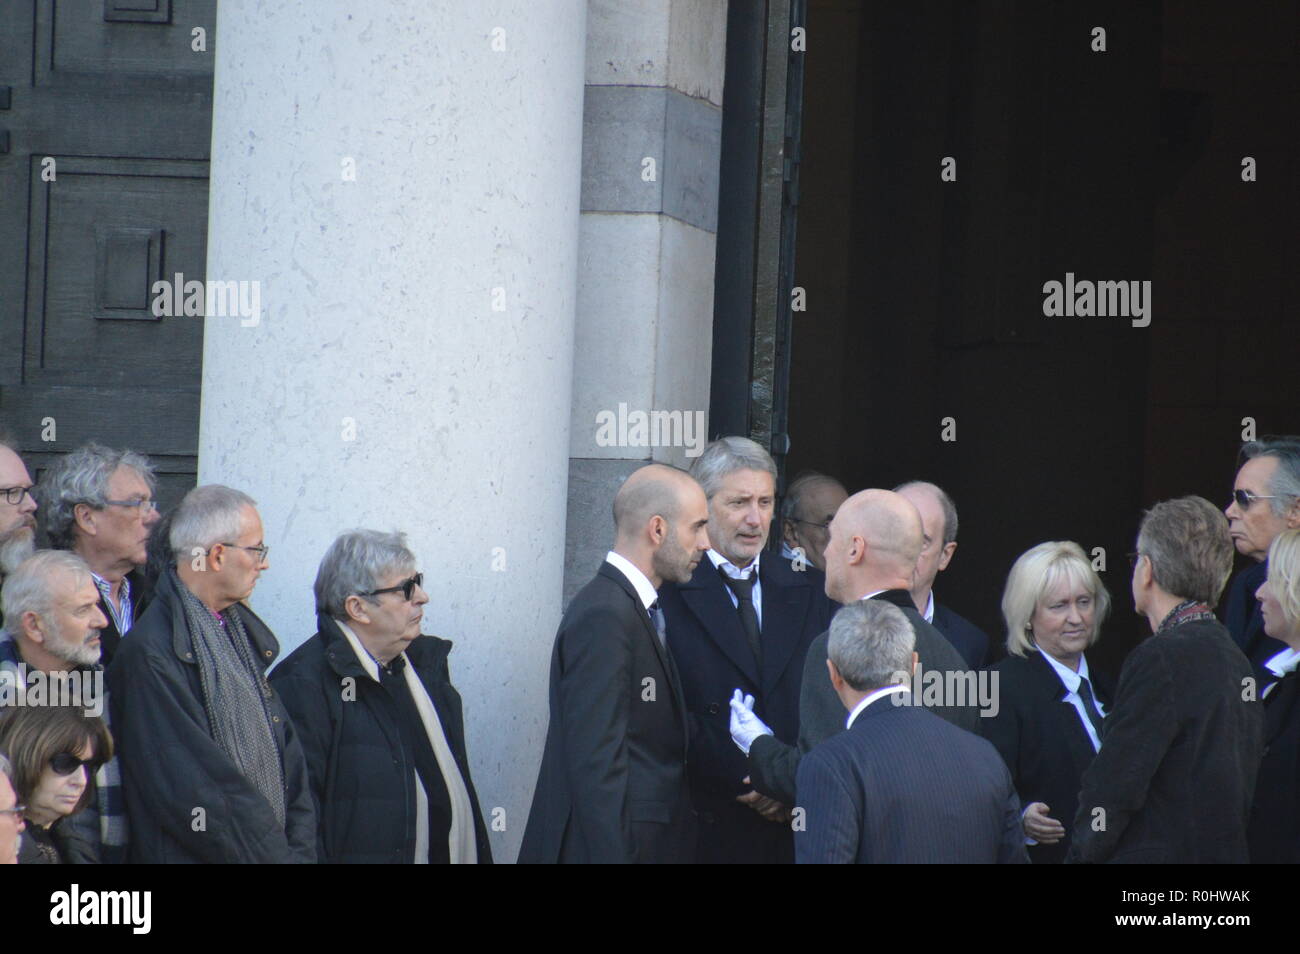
[(946, 553), (1293, 514), (788, 533), (83, 515), (32, 626), (355, 607), (837, 681)]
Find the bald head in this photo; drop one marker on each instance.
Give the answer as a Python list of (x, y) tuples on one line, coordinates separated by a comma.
[(876, 537), (660, 523), (654, 490)]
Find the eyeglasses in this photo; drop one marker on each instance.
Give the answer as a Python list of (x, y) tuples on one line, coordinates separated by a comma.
[(261, 550), (1245, 498), (65, 763), (406, 587), (14, 495), (811, 523), (16, 810), (144, 504)]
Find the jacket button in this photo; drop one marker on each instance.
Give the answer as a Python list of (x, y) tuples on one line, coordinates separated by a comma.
[(267, 654), (275, 718), (712, 708)]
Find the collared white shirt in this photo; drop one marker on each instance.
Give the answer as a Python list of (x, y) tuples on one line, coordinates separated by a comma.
[(872, 697), (736, 573), (870, 595), (1281, 664), (640, 582), (1071, 679), (929, 609)]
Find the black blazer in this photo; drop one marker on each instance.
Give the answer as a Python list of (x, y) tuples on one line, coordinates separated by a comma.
[(903, 786), (141, 596), (1175, 777), (967, 638), (713, 656), (1241, 613), (1040, 737), (1274, 831), (773, 762), (612, 784)]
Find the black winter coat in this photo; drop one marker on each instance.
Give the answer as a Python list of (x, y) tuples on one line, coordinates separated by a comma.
[(171, 765), (361, 775)]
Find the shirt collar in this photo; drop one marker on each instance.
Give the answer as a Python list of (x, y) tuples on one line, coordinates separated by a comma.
[(105, 587), (729, 568), (929, 608), (640, 582), (872, 697), (1288, 660), (1067, 675)]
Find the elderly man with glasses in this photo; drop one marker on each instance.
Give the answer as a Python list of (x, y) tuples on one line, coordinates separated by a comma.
[(17, 513), (99, 504), (380, 720), (213, 770), (1265, 502)]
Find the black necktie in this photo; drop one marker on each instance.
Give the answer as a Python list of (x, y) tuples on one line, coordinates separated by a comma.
[(744, 590), (1090, 706), (661, 627)]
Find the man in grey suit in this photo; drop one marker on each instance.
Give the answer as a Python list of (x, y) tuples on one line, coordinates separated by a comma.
[(612, 785), (875, 540), (900, 785)]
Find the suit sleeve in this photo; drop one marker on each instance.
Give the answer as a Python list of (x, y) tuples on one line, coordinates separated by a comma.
[(831, 815), (1011, 849), (1003, 730), (595, 702), (773, 764), (176, 768), (1139, 731), (313, 727)]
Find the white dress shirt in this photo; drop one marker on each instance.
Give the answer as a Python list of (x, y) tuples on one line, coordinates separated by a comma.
[(640, 582), (1071, 679), (929, 609), (736, 573), (872, 697), (1280, 665)]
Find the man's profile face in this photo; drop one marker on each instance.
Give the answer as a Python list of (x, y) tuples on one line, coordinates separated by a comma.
[(935, 553), (810, 528), (242, 566), (740, 515), (122, 533), (72, 626), (17, 521), (1254, 528), (687, 539), (835, 561)]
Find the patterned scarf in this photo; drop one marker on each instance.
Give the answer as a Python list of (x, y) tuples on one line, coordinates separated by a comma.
[(236, 695), (1185, 612)]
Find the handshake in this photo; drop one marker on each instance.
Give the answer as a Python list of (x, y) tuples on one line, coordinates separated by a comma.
[(745, 725)]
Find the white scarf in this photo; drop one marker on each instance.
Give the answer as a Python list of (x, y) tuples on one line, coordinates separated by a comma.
[(460, 839)]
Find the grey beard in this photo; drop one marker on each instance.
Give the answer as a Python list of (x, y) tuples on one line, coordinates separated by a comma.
[(14, 549), (78, 655)]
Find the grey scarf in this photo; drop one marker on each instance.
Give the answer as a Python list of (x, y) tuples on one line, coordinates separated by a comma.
[(236, 696)]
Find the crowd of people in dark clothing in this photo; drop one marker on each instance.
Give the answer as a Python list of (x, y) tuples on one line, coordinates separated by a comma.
[(712, 699)]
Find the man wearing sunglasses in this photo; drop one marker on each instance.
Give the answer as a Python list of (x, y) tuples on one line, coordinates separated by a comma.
[(380, 720), (213, 769), (17, 513), (99, 503), (1265, 501)]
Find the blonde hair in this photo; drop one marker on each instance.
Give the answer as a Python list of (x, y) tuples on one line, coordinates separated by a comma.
[(1036, 572), (1284, 575)]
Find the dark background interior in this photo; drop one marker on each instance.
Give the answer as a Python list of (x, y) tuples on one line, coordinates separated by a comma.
[(925, 297)]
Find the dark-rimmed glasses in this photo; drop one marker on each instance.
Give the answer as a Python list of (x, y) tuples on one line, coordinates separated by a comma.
[(406, 588), (14, 495), (65, 763)]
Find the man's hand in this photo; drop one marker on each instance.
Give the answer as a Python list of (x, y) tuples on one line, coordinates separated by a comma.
[(1040, 826), (745, 726), (769, 808)]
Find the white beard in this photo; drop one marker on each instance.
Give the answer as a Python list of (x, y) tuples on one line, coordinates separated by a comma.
[(15, 547)]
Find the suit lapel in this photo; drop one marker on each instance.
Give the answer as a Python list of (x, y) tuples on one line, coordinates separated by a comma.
[(707, 599), (1067, 716), (785, 608), (661, 651)]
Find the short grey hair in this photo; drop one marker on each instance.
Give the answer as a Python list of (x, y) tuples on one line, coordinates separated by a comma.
[(871, 644), (354, 564), (1285, 485), (945, 502), (206, 516), (727, 455), (28, 588), (1189, 546), (800, 486), (82, 477)]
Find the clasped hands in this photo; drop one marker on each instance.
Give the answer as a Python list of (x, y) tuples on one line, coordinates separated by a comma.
[(745, 728)]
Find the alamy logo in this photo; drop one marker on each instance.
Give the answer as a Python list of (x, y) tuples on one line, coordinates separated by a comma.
[(1088, 299), (654, 429), (103, 907), (211, 299)]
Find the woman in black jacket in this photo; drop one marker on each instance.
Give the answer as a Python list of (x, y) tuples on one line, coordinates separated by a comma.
[(54, 752), (379, 719), (1051, 703)]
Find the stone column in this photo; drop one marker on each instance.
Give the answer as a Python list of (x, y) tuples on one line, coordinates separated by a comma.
[(402, 181)]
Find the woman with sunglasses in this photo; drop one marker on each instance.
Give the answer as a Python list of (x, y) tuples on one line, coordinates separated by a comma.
[(54, 752), (1274, 831)]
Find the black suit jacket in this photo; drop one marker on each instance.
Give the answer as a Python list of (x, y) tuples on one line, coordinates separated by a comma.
[(714, 658), (773, 762), (1274, 832), (1241, 613), (903, 786), (612, 784), (967, 638), (141, 596), (1175, 777), (1040, 737)]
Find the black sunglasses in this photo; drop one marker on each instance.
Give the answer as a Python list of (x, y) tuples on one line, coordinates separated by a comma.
[(1245, 498), (406, 587), (65, 763)]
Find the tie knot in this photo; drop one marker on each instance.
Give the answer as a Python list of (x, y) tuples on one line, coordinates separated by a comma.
[(742, 588)]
